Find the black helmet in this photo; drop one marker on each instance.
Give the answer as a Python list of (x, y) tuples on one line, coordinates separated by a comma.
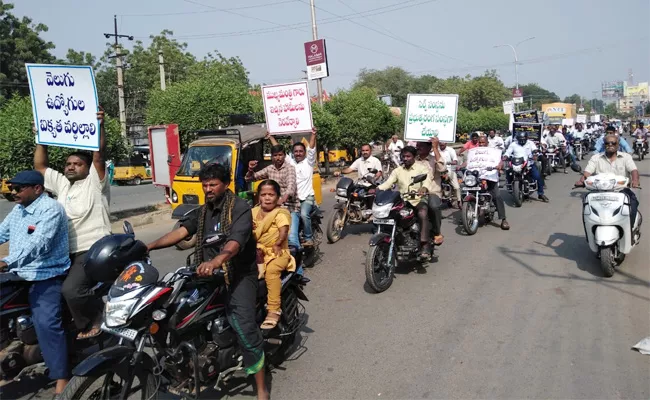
[(522, 138), (108, 257)]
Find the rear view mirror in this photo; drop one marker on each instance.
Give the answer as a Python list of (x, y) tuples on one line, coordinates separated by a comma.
[(418, 178), (128, 228), (372, 171)]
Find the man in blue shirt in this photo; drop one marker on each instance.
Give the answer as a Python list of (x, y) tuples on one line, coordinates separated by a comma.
[(37, 231), (623, 145)]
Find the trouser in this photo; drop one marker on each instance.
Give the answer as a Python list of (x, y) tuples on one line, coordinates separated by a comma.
[(241, 315), (84, 306), (572, 155), (493, 187), (634, 205), (272, 275), (294, 230), (306, 207), (544, 161), (453, 178), (430, 217), (45, 301)]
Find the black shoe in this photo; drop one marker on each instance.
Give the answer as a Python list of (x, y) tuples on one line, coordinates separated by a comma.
[(543, 198)]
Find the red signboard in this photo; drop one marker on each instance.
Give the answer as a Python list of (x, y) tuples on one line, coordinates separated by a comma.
[(315, 52), (517, 93)]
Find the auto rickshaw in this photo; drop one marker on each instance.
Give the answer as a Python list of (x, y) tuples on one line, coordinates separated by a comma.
[(233, 146), (135, 169), (338, 156), (4, 190)]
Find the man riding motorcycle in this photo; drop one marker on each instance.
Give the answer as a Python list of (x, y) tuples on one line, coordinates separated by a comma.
[(450, 159), (623, 145), (226, 213), (556, 139), (642, 133), (402, 176), (524, 148), (37, 232), (363, 164), (437, 166), (614, 162)]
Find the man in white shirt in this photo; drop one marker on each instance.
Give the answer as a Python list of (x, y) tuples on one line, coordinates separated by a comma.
[(363, 164), (556, 139), (642, 133), (494, 141), (492, 178), (451, 160), (579, 133), (524, 148), (395, 148), (304, 160), (84, 191)]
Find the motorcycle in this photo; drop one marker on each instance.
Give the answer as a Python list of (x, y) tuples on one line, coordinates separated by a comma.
[(448, 193), (397, 237), (606, 219), (639, 148), (353, 204), (553, 161), (578, 149), (523, 185), (387, 164), (477, 202), (182, 321)]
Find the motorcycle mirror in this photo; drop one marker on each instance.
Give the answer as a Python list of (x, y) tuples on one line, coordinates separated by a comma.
[(418, 178), (128, 228), (372, 171)]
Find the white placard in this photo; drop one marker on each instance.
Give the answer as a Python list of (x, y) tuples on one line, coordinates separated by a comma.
[(431, 115), (480, 158), (581, 118), (508, 107), (567, 121), (287, 108), (518, 100), (64, 103)]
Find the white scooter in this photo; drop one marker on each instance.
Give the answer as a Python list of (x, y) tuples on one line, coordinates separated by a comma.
[(606, 219)]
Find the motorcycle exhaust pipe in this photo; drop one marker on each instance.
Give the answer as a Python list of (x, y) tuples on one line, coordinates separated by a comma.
[(273, 341)]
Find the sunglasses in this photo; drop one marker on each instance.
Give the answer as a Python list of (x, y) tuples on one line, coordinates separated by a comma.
[(18, 188)]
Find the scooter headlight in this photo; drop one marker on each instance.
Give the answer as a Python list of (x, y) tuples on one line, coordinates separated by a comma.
[(604, 184), (117, 312)]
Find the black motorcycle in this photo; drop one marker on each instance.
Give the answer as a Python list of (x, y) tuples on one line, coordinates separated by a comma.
[(639, 148), (523, 185), (477, 202), (353, 204), (397, 238), (578, 149), (181, 320)]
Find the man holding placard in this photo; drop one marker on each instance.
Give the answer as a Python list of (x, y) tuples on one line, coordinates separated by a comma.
[(84, 191)]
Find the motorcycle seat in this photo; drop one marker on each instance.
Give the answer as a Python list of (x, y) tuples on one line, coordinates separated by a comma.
[(316, 212)]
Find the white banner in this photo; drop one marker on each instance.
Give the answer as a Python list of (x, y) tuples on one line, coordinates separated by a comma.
[(567, 121), (581, 118), (64, 103), (480, 158), (508, 107), (287, 108), (431, 115)]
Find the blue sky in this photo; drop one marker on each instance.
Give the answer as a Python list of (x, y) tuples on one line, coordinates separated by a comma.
[(578, 43)]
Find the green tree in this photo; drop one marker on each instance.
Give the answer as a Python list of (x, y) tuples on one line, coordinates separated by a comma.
[(20, 43), (74, 57), (17, 150), (611, 110), (538, 94), (573, 99), (361, 117), (203, 100), (484, 91), (394, 81)]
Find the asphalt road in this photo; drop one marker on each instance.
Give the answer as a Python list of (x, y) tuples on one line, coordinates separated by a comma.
[(122, 198), (519, 314)]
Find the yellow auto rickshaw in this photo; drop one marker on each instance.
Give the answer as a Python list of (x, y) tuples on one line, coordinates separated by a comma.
[(5, 191), (135, 169), (338, 156), (233, 146)]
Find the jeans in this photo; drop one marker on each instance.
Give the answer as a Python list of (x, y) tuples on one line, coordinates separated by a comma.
[(241, 311), (572, 155), (537, 177), (45, 300), (294, 230), (84, 306), (493, 187), (306, 206)]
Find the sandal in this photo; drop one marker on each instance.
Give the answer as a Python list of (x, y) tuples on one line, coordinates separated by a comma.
[(92, 333), (504, 225), (271, 321), (438, 240)]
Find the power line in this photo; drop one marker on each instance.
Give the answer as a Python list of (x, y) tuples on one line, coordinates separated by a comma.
[(205, 12), (388, 33)]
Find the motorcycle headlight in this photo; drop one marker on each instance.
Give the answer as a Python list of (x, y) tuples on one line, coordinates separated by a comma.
[(470, 180), (604, 184), (517, 168), (117, 312), (341, 192), (381, 211), (405, 212)]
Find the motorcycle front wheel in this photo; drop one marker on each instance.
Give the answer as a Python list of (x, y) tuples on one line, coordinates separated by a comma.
[(517, 194), (379, 271), (110, 386), (470, 220), (335, 225)]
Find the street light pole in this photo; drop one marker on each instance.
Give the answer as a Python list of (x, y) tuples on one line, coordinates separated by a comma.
[(314, 34), (120, 74), (514, 50)]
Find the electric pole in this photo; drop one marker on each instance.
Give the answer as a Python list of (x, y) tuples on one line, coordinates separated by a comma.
[(120, 74), (161, 62), (314, 34)]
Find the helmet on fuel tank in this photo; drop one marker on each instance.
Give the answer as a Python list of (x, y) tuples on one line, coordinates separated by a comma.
[(522, 138), (108, 257)]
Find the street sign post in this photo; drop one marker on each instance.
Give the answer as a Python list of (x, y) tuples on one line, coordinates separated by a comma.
[(316, 58), (518, 95)]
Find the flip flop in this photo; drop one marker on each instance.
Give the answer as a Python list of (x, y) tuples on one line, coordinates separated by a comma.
[(270, 323), (92, 333)]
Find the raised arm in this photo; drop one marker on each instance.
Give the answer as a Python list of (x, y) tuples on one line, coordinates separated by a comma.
[(98, 156), (271, 139), (41, 161)]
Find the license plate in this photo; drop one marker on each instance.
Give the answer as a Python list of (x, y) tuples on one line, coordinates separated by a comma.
[(471, 188), (384, 222), (339, 198), (604, 198), (126, 333)]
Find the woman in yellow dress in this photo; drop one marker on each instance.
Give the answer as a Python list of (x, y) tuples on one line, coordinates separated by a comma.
[(271, 229)]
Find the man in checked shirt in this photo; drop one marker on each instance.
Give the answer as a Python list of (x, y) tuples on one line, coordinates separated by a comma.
[(285, 175), (37, 232)]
